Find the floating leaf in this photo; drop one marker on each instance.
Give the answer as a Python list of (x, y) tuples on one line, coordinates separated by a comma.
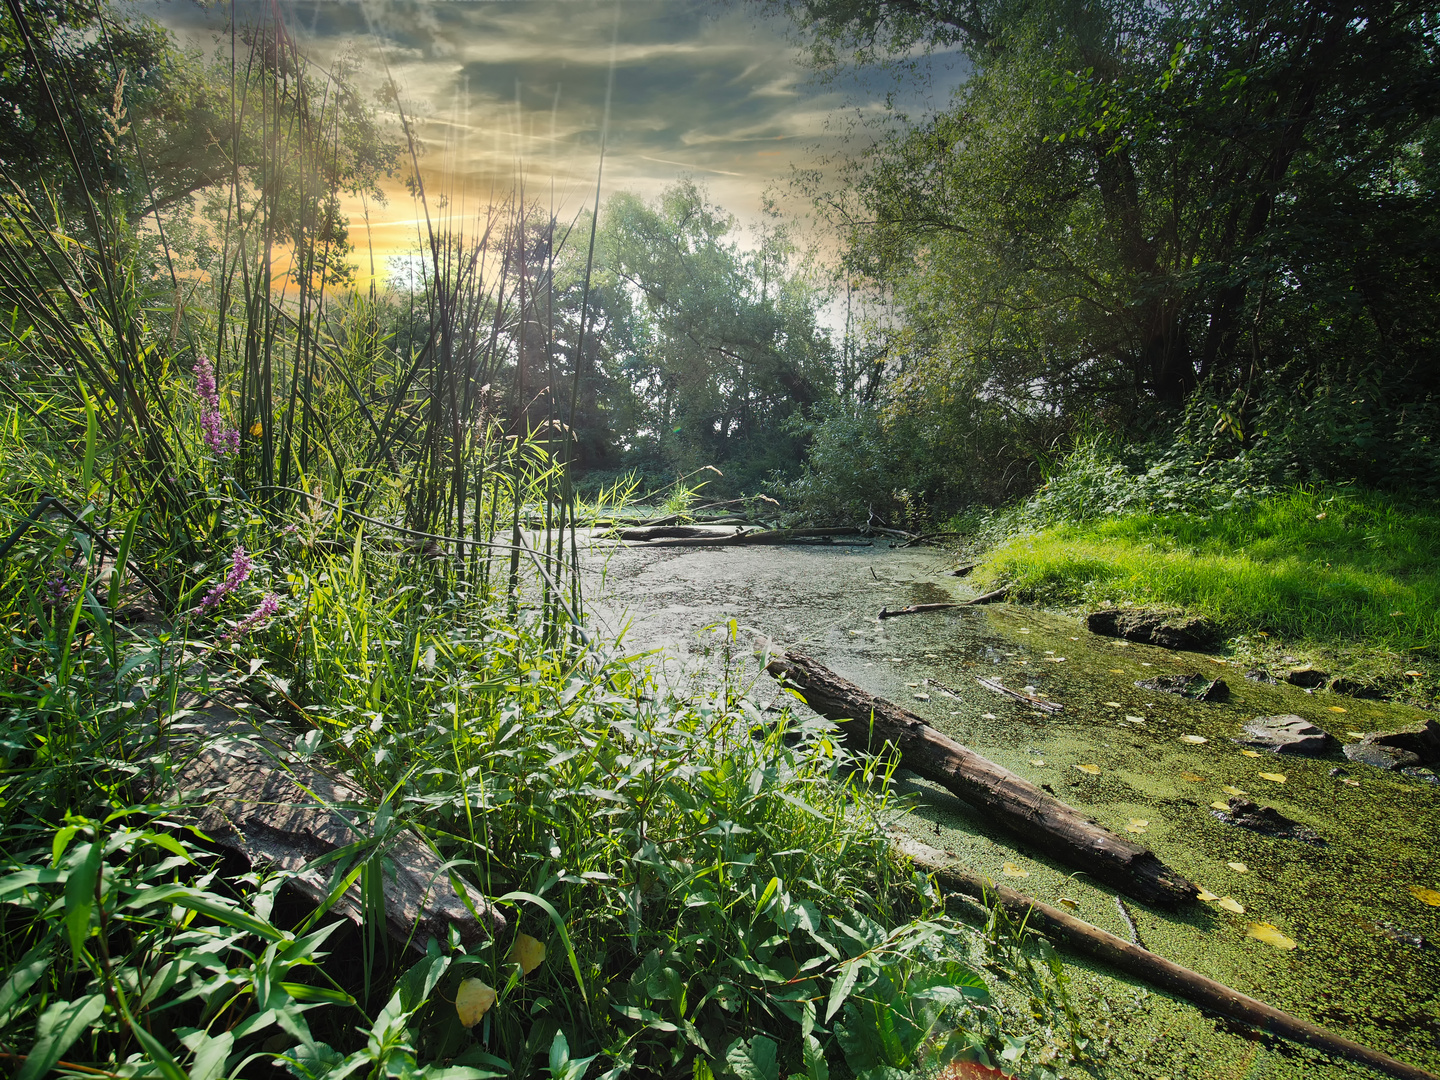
[(1273, 777), (1137, 825), (1347, 780), (1135, 719), (1205, 894), (1111, 704), (1238, 867), (1231, 789), (1356, 734), (1220, 804), (1416, 674), (1073, 905), (1089, 770), (1117, 671), (922, 697), (989, 716), (527, 952), (1037, 761), (1056, 659), (1024, 631), (1192, 777), (1250, 753), (1263, 931), (473, 1001), (1231, 905), (1425, 896), (1195, 739), (1011, 869), (1333, 708)]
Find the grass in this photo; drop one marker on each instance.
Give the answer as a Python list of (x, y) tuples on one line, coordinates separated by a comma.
[(1326, 569)]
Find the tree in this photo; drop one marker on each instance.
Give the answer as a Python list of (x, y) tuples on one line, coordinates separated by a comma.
[(1131, 201), (731, 344)]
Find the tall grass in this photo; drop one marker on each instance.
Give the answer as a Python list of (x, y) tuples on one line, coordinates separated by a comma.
[(1328, 566)]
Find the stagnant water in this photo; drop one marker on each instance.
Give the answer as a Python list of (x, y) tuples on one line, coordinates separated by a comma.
[(1346, 903)]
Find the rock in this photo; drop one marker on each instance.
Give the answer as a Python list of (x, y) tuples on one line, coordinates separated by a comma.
[(1425, 776), (1195, 687), (1342, 684), (1286, 735), (1394, 933), (1366, 752), (1256, 675), (1401, 749), (1307, 677), (1267, 821), (1338, 771), (1171, 630)]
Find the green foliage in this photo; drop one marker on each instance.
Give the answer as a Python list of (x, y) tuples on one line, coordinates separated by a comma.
[(1323, 565)]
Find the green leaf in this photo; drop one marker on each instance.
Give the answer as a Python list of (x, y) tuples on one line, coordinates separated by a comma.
[(849, 972), (22, 976), (60, 1025), (758, 1060), (559, 924), (80, 894)]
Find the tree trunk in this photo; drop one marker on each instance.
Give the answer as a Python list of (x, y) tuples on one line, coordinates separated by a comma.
[(872, 724)]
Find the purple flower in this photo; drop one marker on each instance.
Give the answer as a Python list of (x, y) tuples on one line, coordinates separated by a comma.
[(268, 607), (58, 588), (239, 570), (219, 436)]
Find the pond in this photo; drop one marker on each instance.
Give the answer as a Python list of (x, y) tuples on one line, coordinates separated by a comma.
[(1150, 757)]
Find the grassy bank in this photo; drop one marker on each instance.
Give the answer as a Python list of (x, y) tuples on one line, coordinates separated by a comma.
[(1326, 572)]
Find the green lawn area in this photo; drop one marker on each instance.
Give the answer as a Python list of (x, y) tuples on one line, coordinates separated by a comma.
[(1335, 568)]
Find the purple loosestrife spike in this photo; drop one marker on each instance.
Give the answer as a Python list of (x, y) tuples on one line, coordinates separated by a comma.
[(268, 607), (240, 564), (218, 435)]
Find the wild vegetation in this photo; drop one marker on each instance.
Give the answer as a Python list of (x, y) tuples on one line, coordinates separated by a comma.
[(225, 471)]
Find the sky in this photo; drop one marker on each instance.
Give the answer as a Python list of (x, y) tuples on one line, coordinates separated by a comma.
[(504, 89)]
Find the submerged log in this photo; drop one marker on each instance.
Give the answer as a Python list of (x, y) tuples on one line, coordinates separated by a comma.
[(1136, 960), (244, 793), (870, 724)]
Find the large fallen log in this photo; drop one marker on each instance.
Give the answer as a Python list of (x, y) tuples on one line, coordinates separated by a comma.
[(755, 536), (871, 724), (243, 793), (1134, 959)]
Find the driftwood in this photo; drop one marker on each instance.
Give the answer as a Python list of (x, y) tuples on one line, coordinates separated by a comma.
[(282, 815), (919, 609), (869, 723), (1018, 695), (756, 536), (1136, 960)]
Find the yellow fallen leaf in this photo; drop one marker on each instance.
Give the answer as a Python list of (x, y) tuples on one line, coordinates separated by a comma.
[(1333, 708), (1023, 630), (1073, 905), (1196, 739), (1135, 719), (1347, 780), (527, 952), (1238, 867), (1137, 825), (1214, 660), (1011, 869), (1231, 789), (1263, 931), (1220, 804), (1273, 777), (1356, 734), (1111, 704), (1037, 761), (1250, 753), (1416, 674), (1205, 894), (1192, 777), (1117, 671), (1425, 896), (1232, 905), (473, 1001), (1056, 659), (1089, 770)]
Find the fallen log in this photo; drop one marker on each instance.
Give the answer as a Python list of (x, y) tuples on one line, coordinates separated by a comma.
[(870, 724), (243, 793), (919, 609), (755, 536), (1017, 695), (669, 532), (1136, 960)]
